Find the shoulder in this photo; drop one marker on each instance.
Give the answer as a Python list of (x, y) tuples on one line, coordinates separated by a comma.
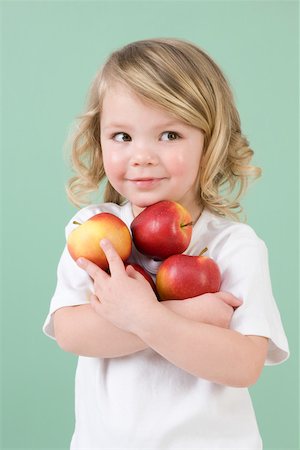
[(222, 235), (225, 227), (89, 211), (240, 253)]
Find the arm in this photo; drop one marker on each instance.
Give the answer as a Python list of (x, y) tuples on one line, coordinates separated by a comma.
[(206, 351), (220, 355), (80, 330)]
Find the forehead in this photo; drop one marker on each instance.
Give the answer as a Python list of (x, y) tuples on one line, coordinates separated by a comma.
[(118, 93), (121, 102)]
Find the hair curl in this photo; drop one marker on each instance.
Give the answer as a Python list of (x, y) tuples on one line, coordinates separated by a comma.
[(182, 79)]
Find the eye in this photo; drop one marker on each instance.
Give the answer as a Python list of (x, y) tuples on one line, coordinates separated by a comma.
[(170, 136), (121, 137)]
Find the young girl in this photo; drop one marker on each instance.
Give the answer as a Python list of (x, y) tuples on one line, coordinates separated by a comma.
[(161, 124)]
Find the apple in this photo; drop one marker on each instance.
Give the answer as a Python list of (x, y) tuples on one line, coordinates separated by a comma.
[(145, 274), (162, 229), (183, 276), (85, 239)]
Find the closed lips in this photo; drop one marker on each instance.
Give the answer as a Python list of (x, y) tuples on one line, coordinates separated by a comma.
[(145, 179)]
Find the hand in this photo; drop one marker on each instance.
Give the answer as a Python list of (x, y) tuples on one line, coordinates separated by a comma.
[(214, 309), (124, 297), (218, 308)]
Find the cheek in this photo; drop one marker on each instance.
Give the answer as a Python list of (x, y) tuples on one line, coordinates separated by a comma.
[(181, 166), (113, 164)]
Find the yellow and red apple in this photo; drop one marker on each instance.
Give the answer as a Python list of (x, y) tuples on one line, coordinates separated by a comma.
[(183, 276), (84, 241), (162, 229)]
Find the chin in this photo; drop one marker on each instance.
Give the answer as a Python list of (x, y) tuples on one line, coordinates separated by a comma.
[(142, 205), (144, 202)]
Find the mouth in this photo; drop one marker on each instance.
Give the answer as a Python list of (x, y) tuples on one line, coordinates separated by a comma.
[(145, 182)]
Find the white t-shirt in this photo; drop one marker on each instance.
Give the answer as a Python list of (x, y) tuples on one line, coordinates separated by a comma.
[(142, 401)]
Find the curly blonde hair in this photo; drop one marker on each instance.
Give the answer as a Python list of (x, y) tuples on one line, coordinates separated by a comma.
[(183, 80)]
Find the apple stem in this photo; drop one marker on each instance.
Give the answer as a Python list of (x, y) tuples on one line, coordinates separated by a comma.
[(203, 251), (186, 224), (76, 223)]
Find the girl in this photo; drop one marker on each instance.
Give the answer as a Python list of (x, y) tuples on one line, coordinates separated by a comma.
[(161, 124)]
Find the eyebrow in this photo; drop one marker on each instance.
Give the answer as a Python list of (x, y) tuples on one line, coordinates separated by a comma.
[(167, 125), (116, 125)]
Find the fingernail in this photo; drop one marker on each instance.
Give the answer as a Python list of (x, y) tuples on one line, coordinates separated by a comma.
[(104, 243), (80, 262)]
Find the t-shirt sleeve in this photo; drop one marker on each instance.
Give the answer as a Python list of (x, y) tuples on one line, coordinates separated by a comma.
[(74, 286), (246, 274)]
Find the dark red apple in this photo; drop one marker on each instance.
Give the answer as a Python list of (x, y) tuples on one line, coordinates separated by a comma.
[(162, 229), (183, 276)]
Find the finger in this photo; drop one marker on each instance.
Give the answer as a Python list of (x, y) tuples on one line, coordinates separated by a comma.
[(95, 302), (133, 273), (92, 269), (230, 299), (130, 271), (116, 265)]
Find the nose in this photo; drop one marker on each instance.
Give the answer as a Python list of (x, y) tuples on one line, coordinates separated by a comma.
[(143, 155)]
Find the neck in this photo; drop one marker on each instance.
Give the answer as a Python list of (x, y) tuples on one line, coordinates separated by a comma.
[(197, 213)]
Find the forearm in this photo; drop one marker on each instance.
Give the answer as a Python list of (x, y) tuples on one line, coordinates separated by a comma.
[(81, 331), (206, 351)]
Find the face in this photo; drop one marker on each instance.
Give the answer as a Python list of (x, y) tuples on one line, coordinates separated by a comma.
[(149, 155)]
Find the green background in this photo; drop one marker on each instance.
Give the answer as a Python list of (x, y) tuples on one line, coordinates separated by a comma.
[(50, 53)]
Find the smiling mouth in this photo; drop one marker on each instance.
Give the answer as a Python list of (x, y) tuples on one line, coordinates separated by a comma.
[(145, 181)]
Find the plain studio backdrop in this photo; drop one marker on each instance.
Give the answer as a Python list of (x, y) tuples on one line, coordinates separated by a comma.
[(51, 50)]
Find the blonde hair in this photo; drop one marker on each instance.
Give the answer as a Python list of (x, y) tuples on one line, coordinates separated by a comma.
[(182, 79)]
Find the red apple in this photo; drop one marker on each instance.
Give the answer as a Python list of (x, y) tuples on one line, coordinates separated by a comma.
[(183, 276), (162, 229), (85, 239), (145, 274)]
